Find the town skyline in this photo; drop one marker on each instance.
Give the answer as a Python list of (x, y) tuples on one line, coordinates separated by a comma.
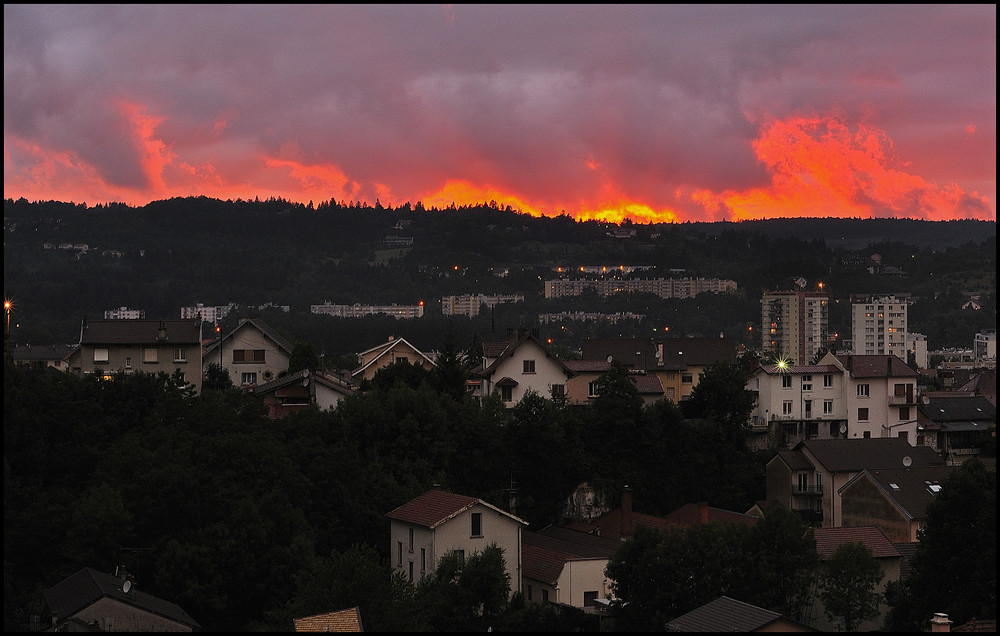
[(646, 113)]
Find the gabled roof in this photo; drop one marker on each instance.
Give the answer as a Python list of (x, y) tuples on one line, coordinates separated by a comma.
[(829, 539), (691, 514), (855, 455), (545, 553), (511, 346), (332, 381), (876, 366), (86, 587), (795, 460), (269, 332), (724, 614), (910, 489), (385, 349), (435, 507), (138, 331), (23, 353), (346, 620)]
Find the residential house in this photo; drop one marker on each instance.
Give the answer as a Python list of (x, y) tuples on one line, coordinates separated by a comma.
[(437, 523), (894, 500), (565, 566), (583, 386), (394, 350), (881, 395), (253, 353), (519, 365), (39, 357), (295, 391), (726, 614), (346, 620), (957, 427), (91, 600), (797, 402), (677, 362), (808, 478), (884, 552), (140, 346)]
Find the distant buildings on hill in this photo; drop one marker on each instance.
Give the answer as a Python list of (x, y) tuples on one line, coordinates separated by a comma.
[(662, 287), (358, 310)]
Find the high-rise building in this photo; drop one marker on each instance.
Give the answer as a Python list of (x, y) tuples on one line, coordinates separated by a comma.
[(795, 324), (878, 325)]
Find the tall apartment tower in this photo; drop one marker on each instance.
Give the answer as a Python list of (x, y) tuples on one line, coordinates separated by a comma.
[(878, 325), (795, 324)]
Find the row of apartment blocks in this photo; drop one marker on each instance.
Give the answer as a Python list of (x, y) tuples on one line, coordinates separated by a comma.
[(662, 287)]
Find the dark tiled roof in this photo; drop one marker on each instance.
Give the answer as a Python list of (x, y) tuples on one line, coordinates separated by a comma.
[(511, 345), (685, 352), (795, 460), (773, 369), (724, 614), (877, 366), (958, 409), (690, 514), (678, 353), (829, 539), (906, 550), (347, 620), (648, 384), (610, 523), (88, 586), (588, 366), (41, 352), (107, 332), (988, 626), (545, 553), (855, 455), (434, 507), (910, 488)]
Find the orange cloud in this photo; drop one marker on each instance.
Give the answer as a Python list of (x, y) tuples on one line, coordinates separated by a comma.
[(820, 167), (154, 155)]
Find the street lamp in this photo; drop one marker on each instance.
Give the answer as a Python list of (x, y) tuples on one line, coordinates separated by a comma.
[(7, 306)]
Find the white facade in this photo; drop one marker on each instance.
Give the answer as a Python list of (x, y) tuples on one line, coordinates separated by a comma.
[(662, 287), (528, 368), (807, 400), (794, 325), (207, 314), (878, 404), (985, 347), (358, 310), (124, 313), (878, 326), (471, 304), (916, 343)]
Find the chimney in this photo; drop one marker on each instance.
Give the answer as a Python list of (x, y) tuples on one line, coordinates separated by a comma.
[(626, 513), (161, 332), (940, 623), (703, 512)]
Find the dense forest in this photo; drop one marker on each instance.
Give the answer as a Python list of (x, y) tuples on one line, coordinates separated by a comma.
[(178, 252)]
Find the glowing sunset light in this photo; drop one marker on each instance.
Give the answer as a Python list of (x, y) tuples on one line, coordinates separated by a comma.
[(648, 113)]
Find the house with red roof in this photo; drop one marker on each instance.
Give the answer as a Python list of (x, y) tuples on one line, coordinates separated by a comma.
[(436, 523), (884, 552), (345, 620), (566, 566)]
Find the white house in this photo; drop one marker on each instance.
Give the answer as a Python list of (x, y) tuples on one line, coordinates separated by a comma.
[(519, 365), (437, 523)]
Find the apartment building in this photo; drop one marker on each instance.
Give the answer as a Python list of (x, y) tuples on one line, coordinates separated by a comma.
[(358, 310), (662, 287), (878, 325), (795, 324), (471, 304), (207, 314)]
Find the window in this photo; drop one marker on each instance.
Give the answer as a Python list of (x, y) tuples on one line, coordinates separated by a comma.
[(687, 378), (248, 378), (248, 355), (827, 379), (529, 366), (862, 415), (786, 407), (477, 524), (402, 359), (507, 393), (589, 598), (803, 482), (827, 407), (545, 595), (180, 354), (101, 354), (150, 355), (900, 390), (819, 482), (862, 390), (904, 413), (558, 391), (529, 593), (807, 383), (411, 541), (866, 434), (786, 381), (593, 389), (128, 363), (399, 553), (411, 571), (423, 560)]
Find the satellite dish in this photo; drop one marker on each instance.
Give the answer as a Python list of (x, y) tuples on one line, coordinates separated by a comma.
[(126, 586), (907, 461)]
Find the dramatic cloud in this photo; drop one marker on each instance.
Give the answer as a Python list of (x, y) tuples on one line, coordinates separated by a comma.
[(649, 112)]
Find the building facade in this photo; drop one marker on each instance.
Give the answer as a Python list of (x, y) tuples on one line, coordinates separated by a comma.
[(878, 325), (795, 324)]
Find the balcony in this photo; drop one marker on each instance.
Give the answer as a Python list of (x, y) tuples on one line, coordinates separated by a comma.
[(808, 491)]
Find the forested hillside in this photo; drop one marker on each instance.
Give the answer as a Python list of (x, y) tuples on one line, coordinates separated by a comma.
[(179, 252)]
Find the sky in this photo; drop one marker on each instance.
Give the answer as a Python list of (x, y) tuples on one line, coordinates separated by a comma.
[(653, 113)]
